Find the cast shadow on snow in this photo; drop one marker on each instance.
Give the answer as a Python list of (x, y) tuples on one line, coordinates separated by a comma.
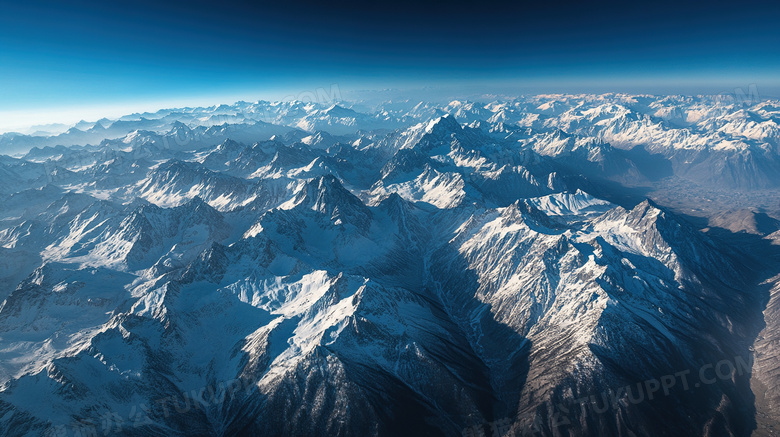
[(501, 353), (758, 260), (479, 369)]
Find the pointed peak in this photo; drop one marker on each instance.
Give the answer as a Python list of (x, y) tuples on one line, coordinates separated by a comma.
[(328, 188), (197, 201), (229, 144), (339, 111), (644, 214), (329, 181), (527, 212), (444, 124), (559, 133), (394, 202), (327, 196), (200, 208), (645, 206), (318, 189), (173, 164)]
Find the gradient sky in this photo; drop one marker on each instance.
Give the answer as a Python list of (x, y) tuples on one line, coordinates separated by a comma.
[(62, 58)]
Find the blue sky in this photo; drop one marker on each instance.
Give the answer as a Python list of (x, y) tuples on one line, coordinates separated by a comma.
[(60, 59)]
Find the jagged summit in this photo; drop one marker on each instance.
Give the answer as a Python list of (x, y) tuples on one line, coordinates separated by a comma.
[(442, 125), (327, 196)]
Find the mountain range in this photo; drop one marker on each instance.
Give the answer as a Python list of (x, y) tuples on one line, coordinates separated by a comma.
[(557, 265)]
